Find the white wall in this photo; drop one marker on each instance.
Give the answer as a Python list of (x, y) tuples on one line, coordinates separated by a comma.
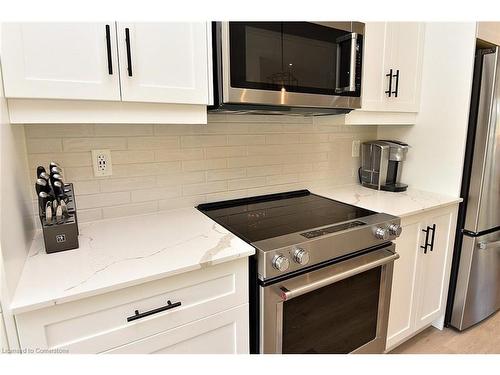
[(435, 161), (16, 219)]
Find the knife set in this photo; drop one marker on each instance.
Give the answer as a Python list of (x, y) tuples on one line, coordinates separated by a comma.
[(57, 210)]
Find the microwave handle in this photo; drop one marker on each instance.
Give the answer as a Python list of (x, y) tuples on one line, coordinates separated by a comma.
[(352, 64), (381, 257)]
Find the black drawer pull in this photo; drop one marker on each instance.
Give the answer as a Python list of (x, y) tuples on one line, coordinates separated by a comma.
[(390, 75), (129, 55), (138, 315), (432, 238), (108, 49), (395, 92), (426, 240)]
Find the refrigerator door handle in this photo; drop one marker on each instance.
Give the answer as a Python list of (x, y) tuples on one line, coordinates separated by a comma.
[(483, 245)]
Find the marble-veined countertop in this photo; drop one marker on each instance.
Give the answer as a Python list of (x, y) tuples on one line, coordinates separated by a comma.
[(118, 253), (400, 204)]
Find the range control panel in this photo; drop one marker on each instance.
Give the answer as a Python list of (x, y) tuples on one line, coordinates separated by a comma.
[(332, 229)]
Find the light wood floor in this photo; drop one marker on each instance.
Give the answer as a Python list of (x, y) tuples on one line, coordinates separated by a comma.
[(483, 338)]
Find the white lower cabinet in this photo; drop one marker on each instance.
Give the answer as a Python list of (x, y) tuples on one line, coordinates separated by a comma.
[(3, 336), (202, 311), (403, 283), (222, 333), (421, 274), (433, 267)]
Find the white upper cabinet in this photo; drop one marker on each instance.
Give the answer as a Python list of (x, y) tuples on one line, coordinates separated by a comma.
[(374, 56), (60, 60), (130, 62), (406, 57), (392, 68), (164, 62), (392, 74)]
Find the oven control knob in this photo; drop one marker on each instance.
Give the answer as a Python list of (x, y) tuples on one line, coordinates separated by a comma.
[(382, 233), (395, 229), (301, 256), (281, 263)]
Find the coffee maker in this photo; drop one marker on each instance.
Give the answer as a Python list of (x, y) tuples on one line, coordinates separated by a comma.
[(382, 164)]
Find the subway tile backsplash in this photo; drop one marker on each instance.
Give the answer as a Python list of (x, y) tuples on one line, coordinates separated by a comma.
[(164, 166)]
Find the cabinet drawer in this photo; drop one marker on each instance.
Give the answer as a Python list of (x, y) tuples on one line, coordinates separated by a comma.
[(100, 323), (222, 333)]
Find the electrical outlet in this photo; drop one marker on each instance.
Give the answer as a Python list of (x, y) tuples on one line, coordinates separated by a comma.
[(355, 148), (101, 160)]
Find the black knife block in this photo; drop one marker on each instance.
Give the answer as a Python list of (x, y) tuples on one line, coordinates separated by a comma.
[(64, 236)]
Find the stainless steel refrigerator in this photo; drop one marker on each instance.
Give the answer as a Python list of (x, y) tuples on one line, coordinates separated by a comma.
[(475, 280)]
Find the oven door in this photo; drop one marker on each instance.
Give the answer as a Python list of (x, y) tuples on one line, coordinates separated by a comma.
[(341, 308), (297, 64)]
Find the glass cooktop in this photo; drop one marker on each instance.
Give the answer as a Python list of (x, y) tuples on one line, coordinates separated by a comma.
[(268, 216)]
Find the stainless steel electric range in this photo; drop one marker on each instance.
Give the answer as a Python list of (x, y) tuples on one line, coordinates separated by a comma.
[(320, 281)]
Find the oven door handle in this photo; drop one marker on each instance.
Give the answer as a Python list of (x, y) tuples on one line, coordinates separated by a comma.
[(316, 280)]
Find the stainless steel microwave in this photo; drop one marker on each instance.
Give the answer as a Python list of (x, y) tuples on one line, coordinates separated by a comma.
[(287, 67)]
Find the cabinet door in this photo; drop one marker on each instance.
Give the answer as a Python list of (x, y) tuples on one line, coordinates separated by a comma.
[(433, 271), (60, 61), (3, 335), (222, 333), (164, 62), (396, 46), (374, 57), (405, 44), (403, 284)]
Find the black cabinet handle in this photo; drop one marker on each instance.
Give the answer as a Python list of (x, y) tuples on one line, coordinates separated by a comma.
[(395, 92), (389, 92), (108, 49), (427, 244), (426, 240), (432, 238), (129, 56), (138, 315)]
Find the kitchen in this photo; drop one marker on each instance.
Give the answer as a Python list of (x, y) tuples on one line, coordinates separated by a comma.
[(218, 187)]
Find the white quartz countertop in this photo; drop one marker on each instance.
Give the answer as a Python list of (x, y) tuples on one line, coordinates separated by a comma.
[(122, 252), (400, 204)]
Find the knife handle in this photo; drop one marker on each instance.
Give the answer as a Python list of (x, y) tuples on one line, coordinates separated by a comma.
[(45, 176), (39, 171), (59, 214), (58, 188), (64, 207), (53, 179), (41, 185), (38, 189), (48, 213), (55, 170), (43, 198), (53, 164)]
